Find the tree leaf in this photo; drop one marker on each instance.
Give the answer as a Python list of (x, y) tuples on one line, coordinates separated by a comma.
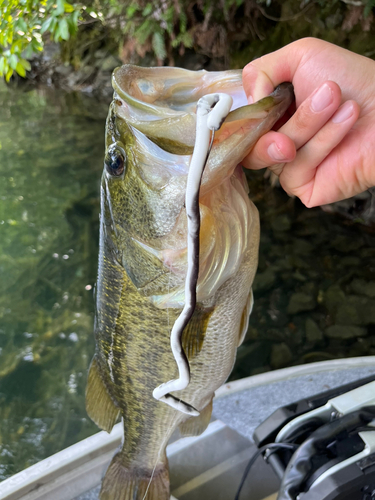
[(20, 70), (25, 64), (46, 25), (29, 51), (60, 7), (8, 74), (21, 25), (147, 10), (368, 8), (158, 45), (68, 7), (75, 17), (64, 29), (56, 36), (13, 61), (130, 11)]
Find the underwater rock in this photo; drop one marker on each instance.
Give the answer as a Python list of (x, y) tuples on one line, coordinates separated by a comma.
[(349, 261), (355, 310), (300, 302), (264, 281), (333, 297), (363, 287), (342, 244), (281, 223), (313, 332), (302, 247), (362, 347), (281, 355), (345, 332)]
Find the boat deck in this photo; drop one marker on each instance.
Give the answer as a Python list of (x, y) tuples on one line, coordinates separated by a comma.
[(209, 466)]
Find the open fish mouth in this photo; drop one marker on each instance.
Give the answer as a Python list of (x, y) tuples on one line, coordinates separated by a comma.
[(161, 102)]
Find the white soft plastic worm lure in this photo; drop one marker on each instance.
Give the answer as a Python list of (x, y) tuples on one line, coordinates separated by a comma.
[(212, 110)]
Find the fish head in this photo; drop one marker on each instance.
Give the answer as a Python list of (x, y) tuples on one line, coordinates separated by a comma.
[(150, 136)]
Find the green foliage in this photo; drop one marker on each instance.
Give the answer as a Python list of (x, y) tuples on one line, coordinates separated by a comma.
[(22, 25), (370, 4), (165, 28)]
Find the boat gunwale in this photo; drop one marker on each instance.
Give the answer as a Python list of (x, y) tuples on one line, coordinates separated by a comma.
[(49, 472)]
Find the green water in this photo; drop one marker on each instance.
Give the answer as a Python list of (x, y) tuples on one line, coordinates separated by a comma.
[(315, 291), (50, 166)]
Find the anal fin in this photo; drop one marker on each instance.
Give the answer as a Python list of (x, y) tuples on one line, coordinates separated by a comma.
[(194, 426), (99, 405)]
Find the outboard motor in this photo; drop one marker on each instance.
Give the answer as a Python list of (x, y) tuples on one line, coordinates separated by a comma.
[(323, 448)]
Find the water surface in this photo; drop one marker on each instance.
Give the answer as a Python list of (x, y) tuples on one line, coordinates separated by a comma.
[(50, 166)]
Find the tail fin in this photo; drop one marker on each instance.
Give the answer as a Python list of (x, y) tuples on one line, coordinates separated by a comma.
[(122, 483)]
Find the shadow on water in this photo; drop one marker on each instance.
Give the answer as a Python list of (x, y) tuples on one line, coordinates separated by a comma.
[(314, 292)]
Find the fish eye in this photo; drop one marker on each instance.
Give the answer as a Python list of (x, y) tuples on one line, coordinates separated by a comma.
[(115, 160)]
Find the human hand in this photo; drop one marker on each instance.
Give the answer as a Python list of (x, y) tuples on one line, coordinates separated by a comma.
[(326, 151)]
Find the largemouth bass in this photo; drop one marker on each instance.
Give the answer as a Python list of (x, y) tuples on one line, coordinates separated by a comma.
[(150, 136)]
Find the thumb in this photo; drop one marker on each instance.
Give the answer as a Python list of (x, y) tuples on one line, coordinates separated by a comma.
[(262, 75)]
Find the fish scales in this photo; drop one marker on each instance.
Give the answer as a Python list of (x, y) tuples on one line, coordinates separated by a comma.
[(143, 262)]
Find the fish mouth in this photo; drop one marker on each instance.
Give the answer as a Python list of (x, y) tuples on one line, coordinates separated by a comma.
[(161, 102), (166, 91)]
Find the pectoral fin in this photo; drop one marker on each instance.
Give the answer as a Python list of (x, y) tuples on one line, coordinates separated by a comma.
[(245, 317), (195, 331), (99, 405), (194, 426)]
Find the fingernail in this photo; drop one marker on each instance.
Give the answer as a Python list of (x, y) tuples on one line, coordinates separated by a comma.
[(250, 99), (322, 98), (275, 153), (343, 113)]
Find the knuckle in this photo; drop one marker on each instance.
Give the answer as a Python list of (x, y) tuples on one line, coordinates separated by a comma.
[(247, 70), (302, 118)]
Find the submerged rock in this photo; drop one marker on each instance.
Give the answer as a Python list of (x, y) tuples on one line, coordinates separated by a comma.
[(264, 281), (313, 332), (345, 332), (300, 302), (281, 355), (333, 297), (356, 310), (281, 223), (342, 244), (363, 287)]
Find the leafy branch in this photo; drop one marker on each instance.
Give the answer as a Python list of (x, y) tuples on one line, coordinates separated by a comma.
[(22, 25)]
